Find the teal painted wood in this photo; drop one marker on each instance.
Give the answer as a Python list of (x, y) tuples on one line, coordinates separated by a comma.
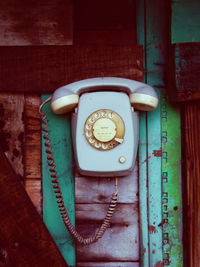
[(185, 21), (59, 127), (171, 184), (142, 151), (154, 37)]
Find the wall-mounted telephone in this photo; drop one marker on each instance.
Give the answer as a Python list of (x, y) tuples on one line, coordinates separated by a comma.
[(104, 130)]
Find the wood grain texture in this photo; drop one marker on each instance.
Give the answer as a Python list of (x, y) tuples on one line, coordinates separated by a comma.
[(105, 15), (105, 37), (24, 240), (192, 172), (101, 189), (43, 69), (32, 150), (119, 243), (38, 22), (185, 10), (12, 129), (187, 72)]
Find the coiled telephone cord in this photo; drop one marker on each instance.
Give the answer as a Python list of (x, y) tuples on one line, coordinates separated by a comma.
[(58, 193)]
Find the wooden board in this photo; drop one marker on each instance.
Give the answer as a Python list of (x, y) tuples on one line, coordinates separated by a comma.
[(101, 189), (32, 150), (159, 160), (118, 26), (12, 129), (187, 72), (119, 243), (38, 22), (59, 127), (189, 33), (185, 11), (192, 177), (44, 69), (24, 238), (105, 15)]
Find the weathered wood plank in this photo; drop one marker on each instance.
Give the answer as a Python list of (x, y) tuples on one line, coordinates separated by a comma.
[(34, 190), (142, 147), (101, 189), (105, 15), (105, 37), (108, 264), (24, 238), (43, 69), (187, 72), (182, 11), (192, 170), (119, 243), (32, 150), (32, 147), (12, 129), (36, 22)]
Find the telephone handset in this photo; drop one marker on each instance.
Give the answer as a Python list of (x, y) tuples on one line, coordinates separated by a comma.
[(104, 130)]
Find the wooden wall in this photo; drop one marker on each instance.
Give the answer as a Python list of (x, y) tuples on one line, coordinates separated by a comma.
[(46, 49)]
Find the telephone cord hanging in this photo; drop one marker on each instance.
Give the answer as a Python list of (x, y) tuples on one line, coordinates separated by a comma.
[(58, 193)]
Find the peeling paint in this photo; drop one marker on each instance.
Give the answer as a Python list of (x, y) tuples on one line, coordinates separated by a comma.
[(157, 153), (152, 229), (159, 264), (146, 159)]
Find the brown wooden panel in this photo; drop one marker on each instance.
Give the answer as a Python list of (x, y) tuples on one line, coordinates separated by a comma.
[(24, 238), (36, 22), (32, 150), (12, 129), (191, 149), (43, 69), (105, 15), (119, 243), (103, 37), (33, 188), (186, 58)]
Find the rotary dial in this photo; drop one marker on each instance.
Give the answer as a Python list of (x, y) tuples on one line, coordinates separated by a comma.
[(104, 129)]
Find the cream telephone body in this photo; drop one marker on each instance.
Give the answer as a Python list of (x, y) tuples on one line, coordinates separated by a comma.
[(104, 126)]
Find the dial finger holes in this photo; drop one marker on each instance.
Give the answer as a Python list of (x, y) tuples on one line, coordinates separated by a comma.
[(97, 144), (89, 133)]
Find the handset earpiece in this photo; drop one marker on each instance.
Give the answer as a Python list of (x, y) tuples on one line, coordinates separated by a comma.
[(63, 101), (144, 98)]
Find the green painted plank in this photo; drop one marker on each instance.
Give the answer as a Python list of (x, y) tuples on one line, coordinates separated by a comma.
[(142, 151), (155, 38), (185, 21), (171, 184), (155, 26), (59, 127)]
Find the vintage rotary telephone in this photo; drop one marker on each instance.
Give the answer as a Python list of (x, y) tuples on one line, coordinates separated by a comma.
[(105, 132)]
